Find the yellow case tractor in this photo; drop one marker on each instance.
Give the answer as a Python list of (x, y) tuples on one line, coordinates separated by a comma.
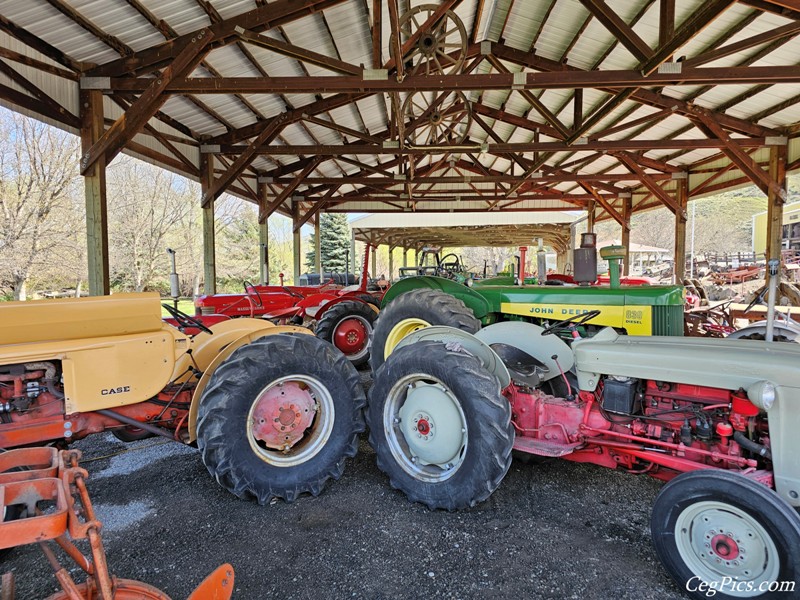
[(273, 410)]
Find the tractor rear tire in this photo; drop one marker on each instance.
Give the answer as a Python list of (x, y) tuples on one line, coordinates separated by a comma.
[(358, 319), (440, 427), (249, 388), (704, 521), (370, 299), (413, 310)]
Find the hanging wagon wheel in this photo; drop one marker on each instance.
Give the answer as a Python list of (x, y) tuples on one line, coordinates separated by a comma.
[(430, 119), (442, 48)]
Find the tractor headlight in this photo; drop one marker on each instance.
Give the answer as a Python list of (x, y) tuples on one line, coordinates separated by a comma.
[(470, 282), (762, 394)]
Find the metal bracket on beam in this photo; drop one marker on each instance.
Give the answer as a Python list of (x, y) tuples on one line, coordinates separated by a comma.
[(484, 148), (263, 179), (209, 148), (671, 68), (520, 79), (680, 175), (776, 140), (581, 141), (95, 83), (399, 177), (624, 194), (486, 47), (298, 198), (391, 144), (536, 175), (375, 74)]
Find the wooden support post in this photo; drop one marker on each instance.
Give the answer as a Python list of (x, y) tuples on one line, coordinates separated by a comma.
[(391, 264), (627, 209), (296, 245), (94, 182), (318, 249), (263, 236), (405, 256), (682, 199), (775, 202), (209, 248), (374, 262), (353, 262), (590, 209)]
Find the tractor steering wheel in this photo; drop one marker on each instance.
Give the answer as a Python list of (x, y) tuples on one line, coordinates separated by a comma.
[(252, 292), (454, 266), (573, 321), (759, 299), (185, 320)]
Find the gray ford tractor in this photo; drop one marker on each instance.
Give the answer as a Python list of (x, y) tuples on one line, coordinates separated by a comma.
[(719, 420)]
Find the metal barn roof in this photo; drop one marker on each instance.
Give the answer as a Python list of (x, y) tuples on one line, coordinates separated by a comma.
[(496, 105)]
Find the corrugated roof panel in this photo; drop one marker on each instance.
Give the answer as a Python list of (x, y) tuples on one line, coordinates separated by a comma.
[(564, 22), (523, 23), (351, 32), (120, 20), (44, 21), (184, 16)]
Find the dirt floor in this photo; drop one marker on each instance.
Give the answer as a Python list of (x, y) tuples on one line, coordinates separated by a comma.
[(553, 530)]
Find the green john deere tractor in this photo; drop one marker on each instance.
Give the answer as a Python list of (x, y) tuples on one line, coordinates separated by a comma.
[(417, 302)]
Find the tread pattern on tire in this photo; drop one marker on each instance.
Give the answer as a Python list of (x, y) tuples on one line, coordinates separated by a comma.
[(227, 397), (490, 429), (447, 310)]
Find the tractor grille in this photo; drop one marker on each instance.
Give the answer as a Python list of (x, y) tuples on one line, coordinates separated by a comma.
[(668, 320)]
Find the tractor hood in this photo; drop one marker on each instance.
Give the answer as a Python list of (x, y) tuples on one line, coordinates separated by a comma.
[(721, 363)]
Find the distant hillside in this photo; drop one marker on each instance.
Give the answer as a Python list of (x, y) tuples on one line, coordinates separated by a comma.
[(724, 221)]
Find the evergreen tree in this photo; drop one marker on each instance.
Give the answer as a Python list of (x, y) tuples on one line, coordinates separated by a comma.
[(335, 233)]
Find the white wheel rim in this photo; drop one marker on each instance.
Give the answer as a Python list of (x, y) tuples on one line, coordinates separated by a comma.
[(717, 540), (316, 435), (425, 428)]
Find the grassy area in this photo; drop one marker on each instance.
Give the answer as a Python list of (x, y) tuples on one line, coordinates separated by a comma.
[(186, 306)]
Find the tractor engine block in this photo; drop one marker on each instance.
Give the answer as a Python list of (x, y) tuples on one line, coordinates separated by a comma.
[(643, 426)]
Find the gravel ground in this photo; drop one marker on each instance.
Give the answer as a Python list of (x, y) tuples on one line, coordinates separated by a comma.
[(553, 530)]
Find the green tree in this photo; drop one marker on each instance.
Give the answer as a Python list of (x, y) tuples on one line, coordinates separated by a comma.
[(334, 246)]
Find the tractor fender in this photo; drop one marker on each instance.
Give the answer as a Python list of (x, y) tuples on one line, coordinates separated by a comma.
[(205, 346), (466, 341), (528, 338), (479, 306), (223, 353), (312, 304), (325, 307)]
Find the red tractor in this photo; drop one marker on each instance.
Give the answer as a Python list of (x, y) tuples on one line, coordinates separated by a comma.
[(343, 316)]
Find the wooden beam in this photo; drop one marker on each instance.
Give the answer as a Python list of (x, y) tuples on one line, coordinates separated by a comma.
[(269, 133), (315, 208), (288, 189), (139, 113), (682, 199), (94, 182), (789, 30), (259, 19), (650, 183), (38, 44), (621, 30), (53, 109), (743, 160), (394, 40), (298, 53), (209, 246), (776, 201), (606, 205), (627, 211), (377, 30), (666, 21), (77, 18), (26, 102)]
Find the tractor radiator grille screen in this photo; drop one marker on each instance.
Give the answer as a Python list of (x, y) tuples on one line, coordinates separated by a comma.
[(668, 320)]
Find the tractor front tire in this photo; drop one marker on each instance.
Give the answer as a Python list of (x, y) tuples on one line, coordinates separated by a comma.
[(279, 417), (415, 310), (439, 425), (721, 534), (348, 326)]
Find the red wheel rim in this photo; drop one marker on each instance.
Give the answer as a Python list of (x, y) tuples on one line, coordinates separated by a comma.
[(351, 336)]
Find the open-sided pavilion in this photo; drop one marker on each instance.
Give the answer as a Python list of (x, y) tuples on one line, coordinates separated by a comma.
[(393, 106)]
